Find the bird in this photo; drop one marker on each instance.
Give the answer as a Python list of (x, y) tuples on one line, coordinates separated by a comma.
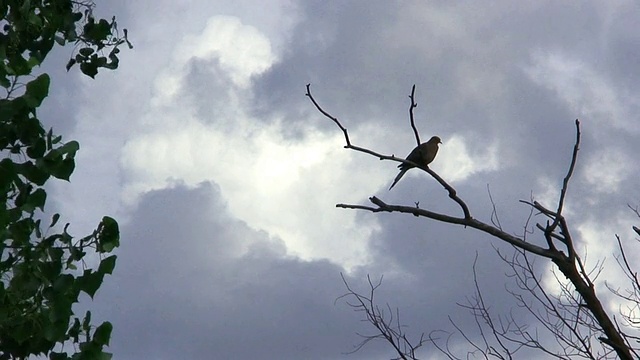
[(422, 155)]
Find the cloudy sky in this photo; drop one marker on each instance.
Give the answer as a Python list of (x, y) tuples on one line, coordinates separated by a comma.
[(224, 177)]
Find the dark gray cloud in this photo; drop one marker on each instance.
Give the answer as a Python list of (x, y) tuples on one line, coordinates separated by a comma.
[(192, 282)]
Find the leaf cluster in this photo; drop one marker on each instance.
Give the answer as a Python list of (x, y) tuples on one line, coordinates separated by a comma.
[(44, 269), (30, 29)]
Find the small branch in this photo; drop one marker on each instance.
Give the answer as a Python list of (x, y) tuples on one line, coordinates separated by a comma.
[(346, 134), (412, 106), (495, 220), (565, 182), (335, 120), (386, 327)]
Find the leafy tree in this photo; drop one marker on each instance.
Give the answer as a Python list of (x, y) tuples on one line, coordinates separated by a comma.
[(43, 270), (575, 316)]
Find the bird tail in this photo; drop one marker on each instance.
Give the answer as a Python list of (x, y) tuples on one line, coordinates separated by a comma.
[(400, 175)]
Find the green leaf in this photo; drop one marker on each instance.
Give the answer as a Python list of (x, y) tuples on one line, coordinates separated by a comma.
[(62, 310), (34, 61), (37, 90), (55, 330), (86, 323), (55, 261), (37, 149), (63, 283), (107, 265), (70, 64), (103, 333), (97, 32), (54, 220), (57, 166), (86, 51), (37, 228), (22, 332), (108, 234), (18, 66), (59, 39), (23, 196), (32, 173), (74, 331), (89, 350), (105, 356), (64, 170), (58, 356), (70, 148), (7, 109), (90, 282), (49, 137), (37, 199), (89, 68), (4, 82), (8, 172), (29, 129)]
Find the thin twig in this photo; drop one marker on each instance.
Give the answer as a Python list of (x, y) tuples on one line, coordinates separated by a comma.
[(412, 106)]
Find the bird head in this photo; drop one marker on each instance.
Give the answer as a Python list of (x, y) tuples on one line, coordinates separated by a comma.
[(435, 140)]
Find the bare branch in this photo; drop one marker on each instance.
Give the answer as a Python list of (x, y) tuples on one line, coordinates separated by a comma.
[(581, 296), (495, 220), (476, 224), (384, 324), (412, 106), (565, 182), (449, 188)]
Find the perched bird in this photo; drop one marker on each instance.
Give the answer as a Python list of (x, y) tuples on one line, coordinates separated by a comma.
[(422, 155)]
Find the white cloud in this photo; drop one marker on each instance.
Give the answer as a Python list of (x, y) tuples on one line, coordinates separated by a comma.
[(285, 187), (606, 169), (241, 50), (457, 163), (587, 92)]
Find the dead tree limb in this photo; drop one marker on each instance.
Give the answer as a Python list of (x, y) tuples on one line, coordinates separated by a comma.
[(566, 259)]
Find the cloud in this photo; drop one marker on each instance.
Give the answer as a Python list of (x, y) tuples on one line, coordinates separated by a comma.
[(193, 276), (272, 182), (589, 94)]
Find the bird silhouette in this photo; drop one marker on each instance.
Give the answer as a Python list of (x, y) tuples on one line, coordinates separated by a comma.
[(422, 155)]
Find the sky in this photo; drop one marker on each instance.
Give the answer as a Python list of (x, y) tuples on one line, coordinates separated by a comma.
[(224, 177)]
